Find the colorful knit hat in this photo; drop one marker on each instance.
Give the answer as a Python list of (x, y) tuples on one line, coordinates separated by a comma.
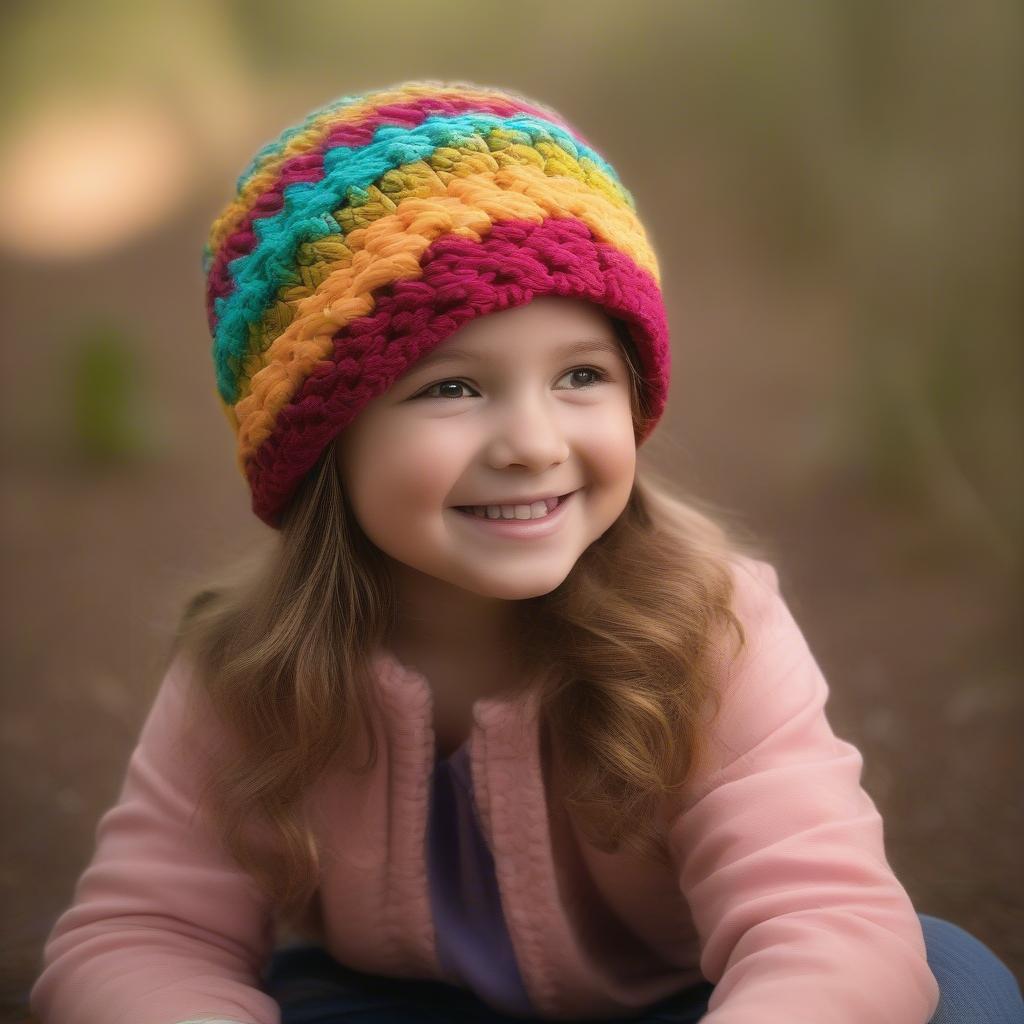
[(361, 238)]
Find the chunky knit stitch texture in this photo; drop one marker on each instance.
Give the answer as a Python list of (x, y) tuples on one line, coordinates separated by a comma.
[(361, 238)]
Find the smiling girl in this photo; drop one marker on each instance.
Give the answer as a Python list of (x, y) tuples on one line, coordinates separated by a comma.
[(498, 723)]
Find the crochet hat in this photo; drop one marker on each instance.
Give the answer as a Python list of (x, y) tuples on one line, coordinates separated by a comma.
[(364, 236)]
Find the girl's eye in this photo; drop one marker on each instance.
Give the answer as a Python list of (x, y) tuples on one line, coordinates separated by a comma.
[(600, 374)]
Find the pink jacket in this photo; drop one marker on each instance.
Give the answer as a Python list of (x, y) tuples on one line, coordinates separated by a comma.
[(780, 892)]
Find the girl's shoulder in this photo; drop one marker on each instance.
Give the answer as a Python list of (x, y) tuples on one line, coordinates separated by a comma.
[(754, 578), (769, 683)]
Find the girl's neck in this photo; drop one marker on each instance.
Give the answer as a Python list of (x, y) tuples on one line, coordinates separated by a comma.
[(455, 670), (442, 624)]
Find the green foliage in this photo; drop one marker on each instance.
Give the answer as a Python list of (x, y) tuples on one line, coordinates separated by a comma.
[(105, 420), (928, 426)]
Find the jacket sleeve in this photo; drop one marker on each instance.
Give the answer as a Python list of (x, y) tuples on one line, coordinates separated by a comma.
[(780, 851), (163, 926)]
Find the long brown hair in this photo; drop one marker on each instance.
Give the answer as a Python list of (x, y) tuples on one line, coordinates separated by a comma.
[(280, 648)]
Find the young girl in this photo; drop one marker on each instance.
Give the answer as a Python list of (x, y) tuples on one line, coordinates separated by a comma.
[(498, 726)]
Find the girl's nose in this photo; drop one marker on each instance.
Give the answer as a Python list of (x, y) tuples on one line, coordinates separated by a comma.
[(530, 435)]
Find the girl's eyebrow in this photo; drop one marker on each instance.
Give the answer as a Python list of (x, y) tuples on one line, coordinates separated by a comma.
[(575, 348)]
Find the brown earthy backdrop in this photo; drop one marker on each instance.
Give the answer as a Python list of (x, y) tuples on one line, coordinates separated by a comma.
[(833, 191)]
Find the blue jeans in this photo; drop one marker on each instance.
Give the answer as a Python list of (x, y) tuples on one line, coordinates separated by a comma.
[(975, 987)]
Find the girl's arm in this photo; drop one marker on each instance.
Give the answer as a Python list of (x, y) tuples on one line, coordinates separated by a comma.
[(164, 927), (780, 851)]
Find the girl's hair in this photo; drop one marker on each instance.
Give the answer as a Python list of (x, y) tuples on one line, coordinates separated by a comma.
[(280, 650)]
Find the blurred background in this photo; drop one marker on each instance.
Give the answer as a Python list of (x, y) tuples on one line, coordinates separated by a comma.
[(833, 190)]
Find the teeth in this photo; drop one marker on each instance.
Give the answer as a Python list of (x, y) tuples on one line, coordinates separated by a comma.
[(538, 510)]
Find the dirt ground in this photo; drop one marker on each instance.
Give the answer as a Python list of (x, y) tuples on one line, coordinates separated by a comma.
[(917, 633)]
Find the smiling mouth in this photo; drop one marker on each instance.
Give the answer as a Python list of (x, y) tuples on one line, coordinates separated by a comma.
[(471, 510)]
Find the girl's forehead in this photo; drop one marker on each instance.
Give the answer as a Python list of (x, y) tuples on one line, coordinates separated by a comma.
[(545, 323), (544, 310), (555, 347)]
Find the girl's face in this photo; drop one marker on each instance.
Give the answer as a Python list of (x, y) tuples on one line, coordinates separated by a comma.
[(515, 415)]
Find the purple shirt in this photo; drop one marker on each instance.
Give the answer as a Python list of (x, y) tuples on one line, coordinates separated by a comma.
[(473, 943)]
